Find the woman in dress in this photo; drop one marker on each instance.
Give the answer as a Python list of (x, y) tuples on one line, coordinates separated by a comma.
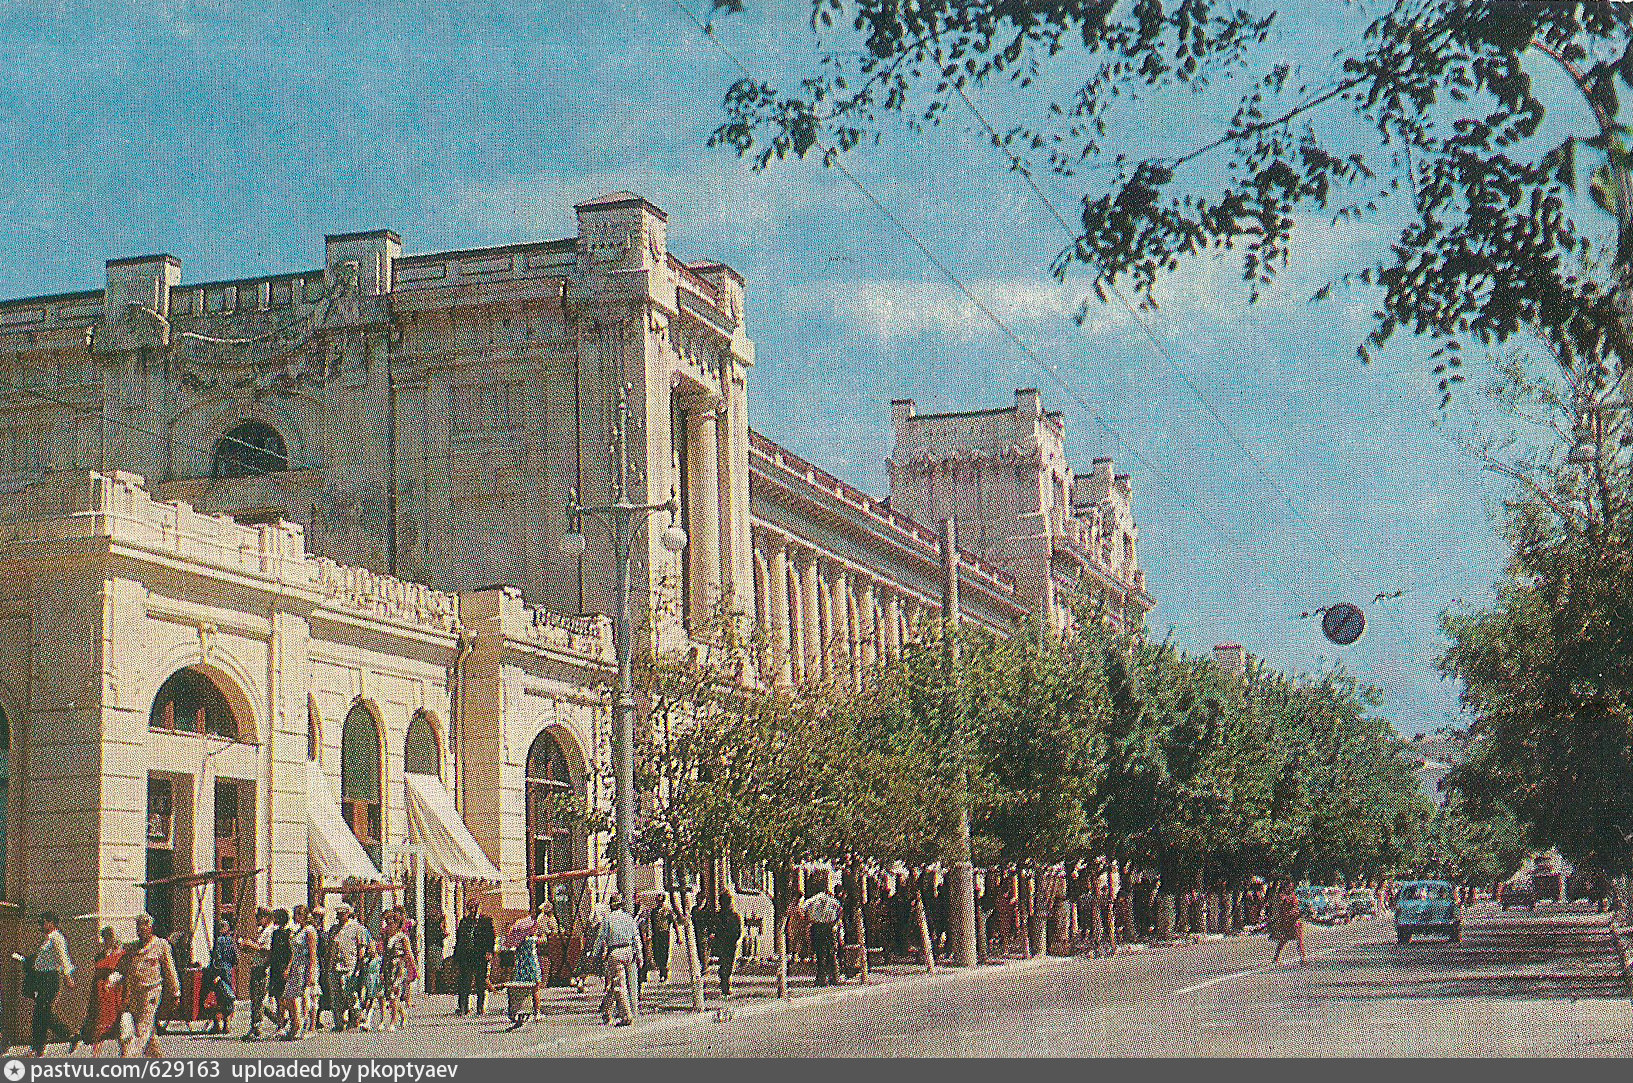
[(398, 952), (107, 998), (1286, 922), (303, 950), (524, 977)]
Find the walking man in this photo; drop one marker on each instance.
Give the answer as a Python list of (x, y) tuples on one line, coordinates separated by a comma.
[(473, 950), (618, 946), (822, 910), (150, 978), (346, 952), (257, 952), (659, 920), (52, 970), (728, 931)]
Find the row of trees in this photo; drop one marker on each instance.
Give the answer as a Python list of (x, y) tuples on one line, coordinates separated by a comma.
[(1095, 746), (1486, 137)]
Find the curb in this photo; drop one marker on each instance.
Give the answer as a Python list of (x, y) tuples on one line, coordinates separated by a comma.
[(725, 1013), (1619, 936)]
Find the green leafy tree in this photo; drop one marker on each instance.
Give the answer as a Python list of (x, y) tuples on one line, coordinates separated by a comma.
[(1429, 121)]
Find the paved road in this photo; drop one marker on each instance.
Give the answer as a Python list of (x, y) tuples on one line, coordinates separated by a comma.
[(1520, 984)]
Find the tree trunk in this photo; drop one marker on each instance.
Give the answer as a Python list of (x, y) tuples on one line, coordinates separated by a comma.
[(925, 943), (779, 925), (694, 968), (857, 889), (1023, 894)]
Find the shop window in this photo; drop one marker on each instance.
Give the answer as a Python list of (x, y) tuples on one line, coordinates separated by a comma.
[(557, 841), (420, 756), (360, 778)]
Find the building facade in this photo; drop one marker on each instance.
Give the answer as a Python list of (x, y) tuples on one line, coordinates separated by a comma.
[(281, 573)]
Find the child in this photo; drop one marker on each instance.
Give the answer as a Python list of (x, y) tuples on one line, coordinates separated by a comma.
[(370, 1005)]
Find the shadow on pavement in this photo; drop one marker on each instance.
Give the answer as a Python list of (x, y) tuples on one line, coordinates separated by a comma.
[(1554, 958)]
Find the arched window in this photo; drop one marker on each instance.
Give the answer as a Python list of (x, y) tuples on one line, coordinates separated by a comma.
[(420, 756), (557, 841), (248, 450), (189, 702), (360, 778)]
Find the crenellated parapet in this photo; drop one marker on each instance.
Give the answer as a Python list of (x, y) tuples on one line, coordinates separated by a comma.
[(382, 596)]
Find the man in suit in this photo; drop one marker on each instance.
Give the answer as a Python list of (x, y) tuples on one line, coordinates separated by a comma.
[(473, 951)]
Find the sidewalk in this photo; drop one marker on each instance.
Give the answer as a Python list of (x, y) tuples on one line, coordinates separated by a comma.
[(568, 1020)]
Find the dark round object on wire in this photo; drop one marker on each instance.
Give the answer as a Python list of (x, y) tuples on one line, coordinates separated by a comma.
[(1343, 623)]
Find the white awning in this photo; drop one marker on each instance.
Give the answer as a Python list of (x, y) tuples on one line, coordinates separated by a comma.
[(451, 850), (332, 849)]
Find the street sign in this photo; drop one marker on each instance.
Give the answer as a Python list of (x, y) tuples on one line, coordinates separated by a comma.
[(1343, 623)]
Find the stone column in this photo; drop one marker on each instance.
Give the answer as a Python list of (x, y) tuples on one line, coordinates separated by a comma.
[(825, 623), (893, 624), (840, 605), (796, 620), (811, 603), (869, 631), (775, 615), (702, 452)]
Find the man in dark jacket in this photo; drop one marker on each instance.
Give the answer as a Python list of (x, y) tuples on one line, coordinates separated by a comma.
[(473, 950), (728, 930)]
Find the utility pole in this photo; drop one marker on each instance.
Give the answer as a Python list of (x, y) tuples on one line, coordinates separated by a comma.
[(963, 886)]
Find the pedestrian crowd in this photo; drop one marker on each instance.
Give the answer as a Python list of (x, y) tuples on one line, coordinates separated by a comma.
[(302, 967)]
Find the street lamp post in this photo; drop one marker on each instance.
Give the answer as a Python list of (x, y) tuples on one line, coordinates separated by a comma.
[(622, 517)]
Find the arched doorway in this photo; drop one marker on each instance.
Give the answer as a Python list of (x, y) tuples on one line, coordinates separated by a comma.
[(556, 838), (360, 779), (423, 756), (249, 450), (192, 702)]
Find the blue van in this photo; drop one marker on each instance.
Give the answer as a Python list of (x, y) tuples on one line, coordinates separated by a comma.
[(1427, 906)]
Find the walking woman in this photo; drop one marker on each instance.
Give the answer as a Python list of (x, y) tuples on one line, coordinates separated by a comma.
[(107, 999), (52, 970), (397, 952), (1286, 922), (303, 950)]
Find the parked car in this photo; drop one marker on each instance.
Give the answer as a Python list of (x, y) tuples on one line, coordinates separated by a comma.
[(1361, 903), (1318, 904), (1428, 906), (1517, 893)]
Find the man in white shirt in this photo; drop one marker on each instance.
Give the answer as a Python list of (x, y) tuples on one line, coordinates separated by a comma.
[(52, 969), (256, 953), (823, 911), (347, 948)]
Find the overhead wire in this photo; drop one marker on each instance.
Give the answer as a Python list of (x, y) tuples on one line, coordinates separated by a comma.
[(1157, 344), (833, 159)]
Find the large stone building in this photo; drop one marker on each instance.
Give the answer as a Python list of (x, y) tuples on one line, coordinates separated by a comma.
[(280, 574)]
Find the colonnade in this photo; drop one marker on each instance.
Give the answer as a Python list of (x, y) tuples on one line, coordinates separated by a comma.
[(827, 618)]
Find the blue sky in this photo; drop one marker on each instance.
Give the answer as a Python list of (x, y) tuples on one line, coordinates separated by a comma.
[(235, 135)]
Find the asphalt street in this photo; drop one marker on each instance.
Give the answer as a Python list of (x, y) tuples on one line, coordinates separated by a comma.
[(1520, 984)]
